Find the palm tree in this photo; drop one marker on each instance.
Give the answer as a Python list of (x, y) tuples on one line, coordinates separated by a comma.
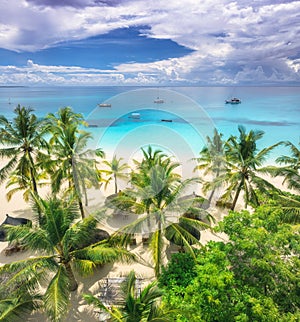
[(70, 161), (291, 167), (59, 243), (289, 204), (212, 160), (156, 191), (137, 307), (22, 143), (116, 171), (243, 162), (150, 158)]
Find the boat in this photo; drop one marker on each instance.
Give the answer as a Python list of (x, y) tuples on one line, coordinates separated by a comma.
[(104, 105), (233, 100), (159, 101), (135, 115), (166, 120)]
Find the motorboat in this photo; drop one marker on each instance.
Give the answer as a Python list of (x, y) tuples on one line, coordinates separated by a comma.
[(233, 100), (166, 120)]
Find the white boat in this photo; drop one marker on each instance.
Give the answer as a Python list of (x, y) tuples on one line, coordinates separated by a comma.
[(104, 105), (135, 115), (233, 100)]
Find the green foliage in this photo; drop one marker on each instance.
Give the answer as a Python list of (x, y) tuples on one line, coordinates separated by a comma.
[(243, 162), (253, 277), (157, 190), (180, 271), (116, 171), (71, 163), (286, 205), (22, 146)]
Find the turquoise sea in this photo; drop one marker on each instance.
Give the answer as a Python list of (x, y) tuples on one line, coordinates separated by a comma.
[(191, 114)]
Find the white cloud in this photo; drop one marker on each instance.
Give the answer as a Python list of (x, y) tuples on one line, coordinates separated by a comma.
[(234, 41)]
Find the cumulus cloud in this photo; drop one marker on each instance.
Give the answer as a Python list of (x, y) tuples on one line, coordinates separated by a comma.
[(233, 41), (76, 3)]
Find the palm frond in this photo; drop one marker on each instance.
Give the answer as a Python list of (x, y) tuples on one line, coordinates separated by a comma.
[(33, 238), (114, 312), (56, 298), (16, 308), (83, 267), (29, 271), (79, 233), (183, 237), (7, 169), (103, 253)]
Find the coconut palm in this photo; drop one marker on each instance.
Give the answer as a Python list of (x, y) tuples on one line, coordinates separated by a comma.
[(150, 158), (212, 160), (116, 171), (142, 307), (71, 162), (156, 191), (243, 162), (291, 167), (60, 247), (22, 144)]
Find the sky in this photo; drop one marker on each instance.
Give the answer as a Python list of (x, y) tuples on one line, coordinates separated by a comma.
[(149, 42)]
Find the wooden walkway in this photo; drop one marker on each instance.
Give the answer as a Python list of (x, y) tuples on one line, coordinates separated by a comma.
[(110, 292)]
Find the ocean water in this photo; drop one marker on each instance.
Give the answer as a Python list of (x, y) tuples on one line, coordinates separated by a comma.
[(190, 114)]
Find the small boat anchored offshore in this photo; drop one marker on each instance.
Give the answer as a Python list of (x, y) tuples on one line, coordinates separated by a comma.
[(104, 105), (135, 115), (159, 101), (233, 100)]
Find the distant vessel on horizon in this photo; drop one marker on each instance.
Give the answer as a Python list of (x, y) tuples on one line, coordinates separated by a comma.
[(135, 115), (233, 100), (104, 105), (159, 101)]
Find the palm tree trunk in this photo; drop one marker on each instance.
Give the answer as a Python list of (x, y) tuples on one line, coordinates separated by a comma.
[(236, 196), (73, 283), (213, 191), (81, 207), (206, 204), (116, 185), (85, 195), (35, 191), (76, 188), (148, 220)]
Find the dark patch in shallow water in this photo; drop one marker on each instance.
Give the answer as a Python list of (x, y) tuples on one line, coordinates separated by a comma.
[(257, 122)]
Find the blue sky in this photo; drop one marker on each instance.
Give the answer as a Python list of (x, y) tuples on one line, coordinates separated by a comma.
[(149, 42)]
